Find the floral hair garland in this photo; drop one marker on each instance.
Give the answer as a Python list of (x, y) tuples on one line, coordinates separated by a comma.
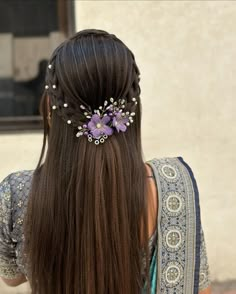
[(104, 120)]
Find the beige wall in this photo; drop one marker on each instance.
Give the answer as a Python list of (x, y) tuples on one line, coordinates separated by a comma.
[(187, 58)]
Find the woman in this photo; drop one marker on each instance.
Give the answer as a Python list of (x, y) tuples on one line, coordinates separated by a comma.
[(97, 218)]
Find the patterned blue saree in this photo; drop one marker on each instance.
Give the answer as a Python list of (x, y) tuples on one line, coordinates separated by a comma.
[(179, 263)]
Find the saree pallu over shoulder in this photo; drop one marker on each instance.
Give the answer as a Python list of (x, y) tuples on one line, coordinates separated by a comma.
[(179, 264)]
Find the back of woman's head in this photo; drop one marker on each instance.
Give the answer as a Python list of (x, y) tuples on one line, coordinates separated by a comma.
[(86, 214)]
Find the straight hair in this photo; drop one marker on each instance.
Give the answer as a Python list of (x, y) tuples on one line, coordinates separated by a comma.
[(86, 221)]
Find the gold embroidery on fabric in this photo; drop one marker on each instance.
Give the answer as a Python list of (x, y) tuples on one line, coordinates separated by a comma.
[(8, 269), (14, 191)]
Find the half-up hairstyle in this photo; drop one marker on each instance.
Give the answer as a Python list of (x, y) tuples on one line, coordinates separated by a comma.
[(86, 219)]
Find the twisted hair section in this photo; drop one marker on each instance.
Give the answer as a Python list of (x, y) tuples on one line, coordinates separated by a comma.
[(63, 94)]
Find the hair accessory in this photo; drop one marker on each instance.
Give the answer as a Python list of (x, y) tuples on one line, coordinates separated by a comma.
[(105, 120), (49, 66), (54, 86), (46, 87), (102, 122)]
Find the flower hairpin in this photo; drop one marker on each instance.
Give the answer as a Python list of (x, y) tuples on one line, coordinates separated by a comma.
[(105, 120)]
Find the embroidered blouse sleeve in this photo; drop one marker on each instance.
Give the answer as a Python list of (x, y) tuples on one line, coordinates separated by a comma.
[(8, 266), (204, 276)]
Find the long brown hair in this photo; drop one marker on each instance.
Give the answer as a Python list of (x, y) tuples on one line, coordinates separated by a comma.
[(86, 219)]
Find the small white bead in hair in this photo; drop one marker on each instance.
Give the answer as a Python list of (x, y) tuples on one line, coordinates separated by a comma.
[(65, 104), (54, 86), (46, 87), (54, 107), (49, 66)]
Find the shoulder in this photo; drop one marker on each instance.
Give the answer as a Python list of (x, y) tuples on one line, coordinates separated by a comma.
[(171, 168), (15, 178), (175, 176), (168, 159), (14, 192), (16, 185)]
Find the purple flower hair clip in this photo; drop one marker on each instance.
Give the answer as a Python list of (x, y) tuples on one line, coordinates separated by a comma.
[(105, 120)]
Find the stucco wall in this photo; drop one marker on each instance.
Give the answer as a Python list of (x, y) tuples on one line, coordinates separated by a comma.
[(186, 54)]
